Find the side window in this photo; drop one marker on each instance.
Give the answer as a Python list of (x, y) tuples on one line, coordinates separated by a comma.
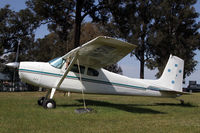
[(75, 69), (92, 72)]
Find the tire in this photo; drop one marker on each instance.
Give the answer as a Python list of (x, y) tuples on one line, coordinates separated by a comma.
[(49, 104), (41, 100)]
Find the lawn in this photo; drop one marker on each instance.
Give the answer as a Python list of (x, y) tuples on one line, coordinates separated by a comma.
[(118, 114)]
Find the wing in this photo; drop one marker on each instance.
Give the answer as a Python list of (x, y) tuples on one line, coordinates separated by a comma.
[(101, 51)]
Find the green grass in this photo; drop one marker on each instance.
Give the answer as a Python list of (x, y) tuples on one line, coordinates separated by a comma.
[(118, 114)]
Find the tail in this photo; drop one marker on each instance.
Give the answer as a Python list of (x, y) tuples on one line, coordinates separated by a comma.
[(172, 76)]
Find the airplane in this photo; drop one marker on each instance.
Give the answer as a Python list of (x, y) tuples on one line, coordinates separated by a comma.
[(81, 69)]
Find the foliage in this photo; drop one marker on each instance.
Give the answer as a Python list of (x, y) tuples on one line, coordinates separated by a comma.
[(15, 28), (159, 28), (133, 20), (58, 14), (174, 31), (61, 15), (46, 48), (5, 13), (95, 9)]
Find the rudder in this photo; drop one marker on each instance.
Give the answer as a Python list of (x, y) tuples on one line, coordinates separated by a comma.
[(172, 76)]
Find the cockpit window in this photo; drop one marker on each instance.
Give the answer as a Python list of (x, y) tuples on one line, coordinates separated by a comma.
[(92, 72), (57, 62), (75, 69)]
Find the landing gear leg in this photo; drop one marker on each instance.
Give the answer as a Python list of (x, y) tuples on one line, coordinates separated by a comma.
[(50, 103)]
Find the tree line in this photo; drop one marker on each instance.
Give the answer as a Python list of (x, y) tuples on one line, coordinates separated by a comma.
[(158, 27)]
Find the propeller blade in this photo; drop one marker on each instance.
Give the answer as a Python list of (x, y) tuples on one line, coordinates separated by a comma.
[(13, 64), (17, 53)]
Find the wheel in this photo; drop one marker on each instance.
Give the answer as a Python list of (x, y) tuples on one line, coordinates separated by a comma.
[(41, 100), (49, 104)]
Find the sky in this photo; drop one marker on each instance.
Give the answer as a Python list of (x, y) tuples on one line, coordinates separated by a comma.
[(129, 65)]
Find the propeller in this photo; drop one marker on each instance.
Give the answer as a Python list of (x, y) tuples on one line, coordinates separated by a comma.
[(14, 64)]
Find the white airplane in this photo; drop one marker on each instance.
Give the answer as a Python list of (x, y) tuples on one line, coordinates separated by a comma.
[(85, 73)]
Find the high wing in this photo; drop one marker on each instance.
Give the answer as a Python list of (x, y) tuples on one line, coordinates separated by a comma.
[(101, 51)]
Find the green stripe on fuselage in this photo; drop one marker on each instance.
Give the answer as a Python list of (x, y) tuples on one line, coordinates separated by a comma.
[(89, 80)]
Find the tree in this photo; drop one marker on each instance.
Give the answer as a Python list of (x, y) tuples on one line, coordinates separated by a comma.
[(95, 10), (174, 31), (133, 19), (58, 14), (5, 13), (16, 27), (48, 48), (61, 15), (25, 24), (140, 32), (158, 28)]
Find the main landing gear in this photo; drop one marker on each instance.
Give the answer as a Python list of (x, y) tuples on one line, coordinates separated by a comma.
[(48, 103)]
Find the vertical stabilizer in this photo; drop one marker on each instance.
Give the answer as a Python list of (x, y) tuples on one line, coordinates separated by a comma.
[(172, 76)]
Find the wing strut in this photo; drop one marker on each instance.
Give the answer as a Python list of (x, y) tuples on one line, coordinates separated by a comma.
[(67, 70), (85, 109), (81, 82), (64, 75)]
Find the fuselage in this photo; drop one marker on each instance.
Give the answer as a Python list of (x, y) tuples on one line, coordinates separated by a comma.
[(97, 81)]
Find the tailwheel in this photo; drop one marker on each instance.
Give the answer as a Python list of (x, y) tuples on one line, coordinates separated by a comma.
[(40, 101), (49, 104)]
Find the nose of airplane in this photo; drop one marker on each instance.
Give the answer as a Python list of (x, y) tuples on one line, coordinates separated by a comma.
[(13, 65)]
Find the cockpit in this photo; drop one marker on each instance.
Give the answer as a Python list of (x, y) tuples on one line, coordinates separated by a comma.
[(57, 62)]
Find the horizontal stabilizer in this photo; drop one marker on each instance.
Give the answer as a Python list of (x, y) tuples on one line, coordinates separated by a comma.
[(175, 92), (162, 89)]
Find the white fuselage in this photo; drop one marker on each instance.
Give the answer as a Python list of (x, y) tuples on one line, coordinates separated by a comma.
[(46, 76)]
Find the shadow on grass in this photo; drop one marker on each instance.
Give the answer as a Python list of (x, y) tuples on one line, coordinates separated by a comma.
[(176, 104), (132, 108), (70, 105), (125, 107)]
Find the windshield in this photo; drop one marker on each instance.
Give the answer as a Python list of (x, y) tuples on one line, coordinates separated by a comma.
[(57, 62)]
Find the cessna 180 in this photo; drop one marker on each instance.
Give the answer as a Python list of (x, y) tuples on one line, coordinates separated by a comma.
[(81, 69)]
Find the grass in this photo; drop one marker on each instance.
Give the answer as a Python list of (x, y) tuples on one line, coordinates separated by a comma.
[(19, 113)]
